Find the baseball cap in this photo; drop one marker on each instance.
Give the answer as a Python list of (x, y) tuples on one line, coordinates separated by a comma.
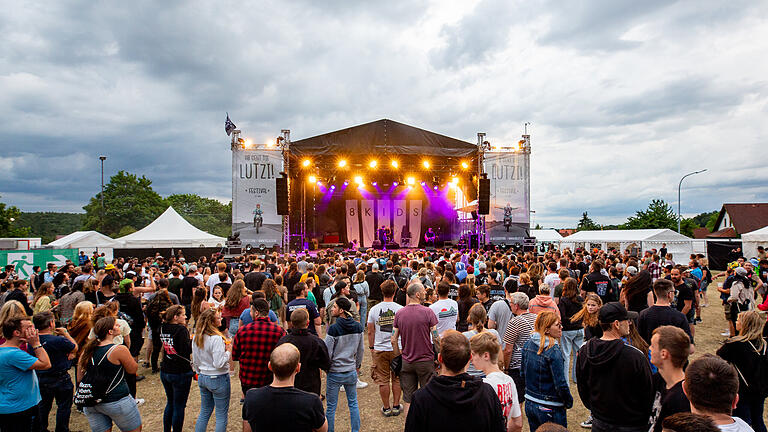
[(615, 311), (632, 270), (110, 267)]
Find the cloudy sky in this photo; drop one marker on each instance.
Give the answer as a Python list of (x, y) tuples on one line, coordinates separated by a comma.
[(624, 96)]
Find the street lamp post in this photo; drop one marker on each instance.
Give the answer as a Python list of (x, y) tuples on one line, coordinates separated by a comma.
[(679, 186), (101, 196)]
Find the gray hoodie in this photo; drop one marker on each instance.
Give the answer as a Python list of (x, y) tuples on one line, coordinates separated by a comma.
[(345, 345)]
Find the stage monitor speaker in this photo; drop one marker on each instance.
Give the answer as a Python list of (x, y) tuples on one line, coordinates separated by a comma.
[(484, 196), (281, 192), (376, 244), (338, 249)]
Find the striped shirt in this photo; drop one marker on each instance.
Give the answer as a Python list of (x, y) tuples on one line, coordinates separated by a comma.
[(517, 334)]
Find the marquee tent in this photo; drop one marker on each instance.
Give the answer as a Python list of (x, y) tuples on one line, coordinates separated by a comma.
[(170, 230), (546, 235), (751, 240), (678, 245), (85, 240)]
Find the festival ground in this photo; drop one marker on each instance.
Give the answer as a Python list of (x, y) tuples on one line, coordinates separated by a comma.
[(708, 340)]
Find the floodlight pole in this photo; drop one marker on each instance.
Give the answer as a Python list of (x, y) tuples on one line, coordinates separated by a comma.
[(679, 186), (102, 158)]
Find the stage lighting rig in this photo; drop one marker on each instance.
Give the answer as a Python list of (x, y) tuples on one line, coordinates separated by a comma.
[(411, 181), (373, 163), (306, 163), (395, 164), (342, 163), (312, 179), (425, 164), (464, 165), (359, 180)]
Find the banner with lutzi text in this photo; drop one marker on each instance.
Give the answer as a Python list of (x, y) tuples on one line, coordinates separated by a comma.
[(254, 202), (510, 186), (24, 260)]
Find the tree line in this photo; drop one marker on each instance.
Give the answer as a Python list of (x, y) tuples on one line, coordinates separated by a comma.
[(658, 215)]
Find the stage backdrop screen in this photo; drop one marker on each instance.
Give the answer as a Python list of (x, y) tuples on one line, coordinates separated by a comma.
[(510, 186), (254, 204)]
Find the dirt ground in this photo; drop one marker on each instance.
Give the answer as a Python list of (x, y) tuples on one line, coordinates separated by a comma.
[(708, 339)]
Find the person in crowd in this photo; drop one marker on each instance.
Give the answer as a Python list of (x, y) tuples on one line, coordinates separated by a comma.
[(253, 343), (314, 352), (42, 300), (670, 348), (661, 313), (746, 352), (360, 285), (589, 316), (176, 369), (130, 306), (483, 293), (237, 301), (19, 293), (68, 302), (342, 289), (608, 364), (712, 386), (598, 283), (455, 400), (155, 311), (517, 333), (19, 388), (485, 356), (636, 295), (543, 302), (300, 302), (114, 360), (445, 309), (685, 296), (80, 326), (547, 395), (374, 279), (381, 320), (275, 299), (689, 422), (413, 326), (211, 351), (501, 311), (346, 347), (573, 331), (477, 319), (217, 298), (55, 383), (281, 405), (247, 318), (199, 304), (465, 302)]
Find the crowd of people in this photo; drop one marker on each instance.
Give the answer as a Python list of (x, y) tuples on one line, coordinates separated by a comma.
[(456, 339)]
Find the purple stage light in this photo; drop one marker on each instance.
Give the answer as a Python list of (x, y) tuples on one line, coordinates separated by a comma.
[(374, 183), (333, 187), (394, 184), (423, 183), (435, 188)]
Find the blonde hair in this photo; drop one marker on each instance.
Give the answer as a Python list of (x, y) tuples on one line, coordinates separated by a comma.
[(83, 310), (751, 329), (44, 290), (525, 279), (12, 309), (485, 342), (206, 326), (587, 319), (544, 321), (477, 317)]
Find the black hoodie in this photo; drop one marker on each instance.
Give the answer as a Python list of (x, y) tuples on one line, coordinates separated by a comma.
[(614, 381), (460, 402)]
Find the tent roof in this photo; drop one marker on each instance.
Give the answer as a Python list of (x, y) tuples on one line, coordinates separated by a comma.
[(546, 235), (170, 229), (627, 235), (84, 239), (756, 235), (383, 136)]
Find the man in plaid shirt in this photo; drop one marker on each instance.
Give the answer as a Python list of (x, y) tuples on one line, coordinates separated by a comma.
[(654, 268), (253, 345)]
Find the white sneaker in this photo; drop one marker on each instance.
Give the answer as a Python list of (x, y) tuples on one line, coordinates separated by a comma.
[(361, 384), (139, 401)]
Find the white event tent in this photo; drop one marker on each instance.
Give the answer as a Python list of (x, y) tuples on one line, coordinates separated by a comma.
[(678, 245), (170, 230), (546, 236), (751, 240), (88, 242)]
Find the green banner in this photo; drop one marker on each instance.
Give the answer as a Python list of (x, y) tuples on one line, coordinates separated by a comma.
[(23, 261)]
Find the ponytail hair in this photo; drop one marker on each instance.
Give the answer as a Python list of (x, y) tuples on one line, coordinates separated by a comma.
[(101, 330), (477, 317)]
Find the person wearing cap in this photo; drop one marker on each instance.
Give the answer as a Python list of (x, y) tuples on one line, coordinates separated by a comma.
[(613, 378), (346, 347)]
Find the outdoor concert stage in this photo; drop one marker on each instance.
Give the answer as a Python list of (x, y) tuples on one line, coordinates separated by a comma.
[(382, 180)]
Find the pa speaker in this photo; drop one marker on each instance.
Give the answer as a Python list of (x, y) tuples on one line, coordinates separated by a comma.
[(484, 196), (281, 192)]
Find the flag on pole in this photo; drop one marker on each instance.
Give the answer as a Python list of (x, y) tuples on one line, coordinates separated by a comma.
[(229, 126)]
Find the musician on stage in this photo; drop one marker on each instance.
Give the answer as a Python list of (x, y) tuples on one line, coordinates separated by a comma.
[(384, 236), (430, 237)]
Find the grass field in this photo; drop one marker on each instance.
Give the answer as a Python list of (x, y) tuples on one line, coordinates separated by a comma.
[(708, 339)]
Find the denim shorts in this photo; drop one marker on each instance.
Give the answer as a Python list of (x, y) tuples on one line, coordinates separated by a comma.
[(124, 413)]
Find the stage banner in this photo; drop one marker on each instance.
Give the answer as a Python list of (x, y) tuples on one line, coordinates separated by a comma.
[(254, 203), (414, 219), (510, 186), (384, 211), (353, 222), (398, 214), (23, 261), (369, 225)]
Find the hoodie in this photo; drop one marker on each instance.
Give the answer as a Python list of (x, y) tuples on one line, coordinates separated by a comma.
[(615, 382), (344, 340), (461, 271), (543, 302), (460, 402)]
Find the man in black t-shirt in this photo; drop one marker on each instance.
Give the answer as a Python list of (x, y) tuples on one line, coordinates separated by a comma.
[(685, 295), (661, 313), (598, 283), (669, 352), (281, 406), (374, 279)]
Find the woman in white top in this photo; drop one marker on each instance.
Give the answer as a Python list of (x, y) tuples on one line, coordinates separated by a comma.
[(363, 291), (211, 352)]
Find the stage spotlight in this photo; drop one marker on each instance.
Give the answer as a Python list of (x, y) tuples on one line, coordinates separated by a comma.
[(464, 165), (306, 163), (374, 183), (423, 183), (312, 179), (333, 187), (248, 143), (395, 184), (455, 181), (411, 180), (359, 180), (342, 163), (425, 164), (395, 164), (373, 163), (434, 187), (346, 182)]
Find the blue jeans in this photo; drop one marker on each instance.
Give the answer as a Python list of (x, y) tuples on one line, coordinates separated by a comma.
[(539, 414), (62, 390), (176, 394), (570, 342), (335, 380), (363, 309), (214, 391)]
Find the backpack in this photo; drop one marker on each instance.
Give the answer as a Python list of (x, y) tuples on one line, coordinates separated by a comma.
[(96, 383)]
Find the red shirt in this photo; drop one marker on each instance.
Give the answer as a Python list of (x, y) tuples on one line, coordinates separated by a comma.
[(252, 346)]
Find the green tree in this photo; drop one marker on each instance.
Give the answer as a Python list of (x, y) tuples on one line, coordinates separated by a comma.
[(586, 223), (206, 214), (701, 219), (687, 225), (710, 225), (47, 225), (128, 200), (659, 214), (9, 222)]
